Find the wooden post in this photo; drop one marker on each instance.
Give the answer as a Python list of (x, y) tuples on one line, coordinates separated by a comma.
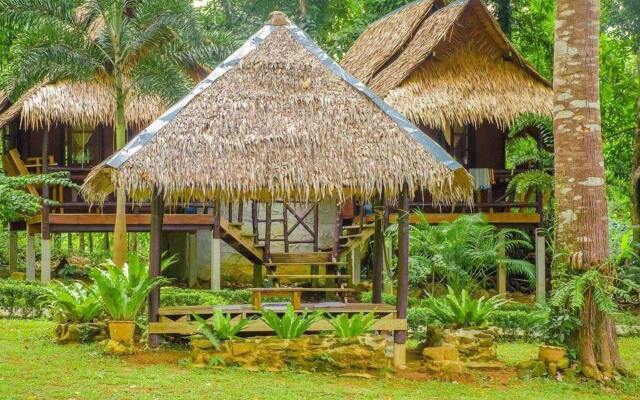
[(215, 248), (355, 265), (155, 250), (402, 304), (69, 242), (254, 221), (45, 248), (502, 275), (90, 243), (267, 233), (315, 269), (31, 257), (192, 258), (105, 242), (337, 229), (81, 243), (13, 251), (257, 275), (541, 267), (285, 225), (378, 250)]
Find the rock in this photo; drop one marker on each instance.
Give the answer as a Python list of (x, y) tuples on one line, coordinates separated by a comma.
[(240, 348), (440, 353), (201, 343), (563, 363), (80, 333), (551, 354), (445, 366), (116, 348), (531, 369), (477, 345), (552, 368)]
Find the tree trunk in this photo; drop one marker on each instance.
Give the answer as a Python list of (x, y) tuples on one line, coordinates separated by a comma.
[(635, 170), (582, 233), (120, 228), (504, 15)]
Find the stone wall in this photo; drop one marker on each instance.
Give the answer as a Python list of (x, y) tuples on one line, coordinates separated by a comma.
[(307, 353), (473, 345), (80, 333)]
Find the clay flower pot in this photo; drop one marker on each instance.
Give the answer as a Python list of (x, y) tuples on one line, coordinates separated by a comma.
[(122, 331), (551, 354)]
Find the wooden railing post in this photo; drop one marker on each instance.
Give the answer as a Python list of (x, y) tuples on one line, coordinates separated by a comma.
[(402, 303), (267, 233), (335, 251), (45, 248), (254, 221), (155, 254), (215, 248)]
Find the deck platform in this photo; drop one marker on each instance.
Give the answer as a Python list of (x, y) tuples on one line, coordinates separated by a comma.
[(64, 222), (179, 320)]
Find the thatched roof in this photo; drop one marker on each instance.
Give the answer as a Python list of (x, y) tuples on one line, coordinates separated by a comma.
[(279, 119), (456, 66), (77, 103)]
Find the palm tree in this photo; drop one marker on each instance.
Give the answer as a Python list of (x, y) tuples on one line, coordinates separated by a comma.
[(132, 46), (582, 226)]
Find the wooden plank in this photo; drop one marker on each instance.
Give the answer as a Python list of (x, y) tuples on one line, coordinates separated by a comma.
[(292, 276), (300, 264), (132, 219), (493, 218), (286, 290), (188, 328), (312, 257), (246, 308)]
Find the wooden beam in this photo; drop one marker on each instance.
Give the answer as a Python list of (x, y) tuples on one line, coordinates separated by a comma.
[(215, 249), (155, 254), (493, 218)]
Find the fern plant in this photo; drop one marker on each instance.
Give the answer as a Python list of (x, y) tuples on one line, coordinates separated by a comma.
[(462, 310), (291, 325), (73, 302), (123, 291), (464, 253), (572, 293), (357, 325)]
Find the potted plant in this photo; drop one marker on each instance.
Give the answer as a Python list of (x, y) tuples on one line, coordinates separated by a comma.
[(554, 332), (123, 292)]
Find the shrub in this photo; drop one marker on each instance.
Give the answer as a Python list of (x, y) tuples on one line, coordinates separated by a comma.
[(357, 325), (291, 325), (517, 323), (21, 298), (72, 302), (463, 311), (174, 296), (418, 318), (123, 291), (387, 298)]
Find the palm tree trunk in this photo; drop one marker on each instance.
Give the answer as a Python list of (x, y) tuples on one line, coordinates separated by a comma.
[(120, 227), (582, 232)]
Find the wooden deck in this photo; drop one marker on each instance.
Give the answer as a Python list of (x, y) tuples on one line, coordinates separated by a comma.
[(179, 320), (498, 218), (105, 222)]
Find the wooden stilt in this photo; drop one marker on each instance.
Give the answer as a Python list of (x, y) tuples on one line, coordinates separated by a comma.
[(45, 248), (402, 303), (541, 267), (192, 258), (155, 237), (257, 275), (502, 276), (69, 242), (31, 257), (267, 233), (81, 243), (13, 251), (378, 251), (215, 250), (355, 266)]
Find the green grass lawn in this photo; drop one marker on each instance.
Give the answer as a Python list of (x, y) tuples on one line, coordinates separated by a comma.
[(32, 367)]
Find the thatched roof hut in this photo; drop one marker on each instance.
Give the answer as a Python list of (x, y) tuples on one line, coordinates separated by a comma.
[(446, 65), (279, 119), (76, 103)]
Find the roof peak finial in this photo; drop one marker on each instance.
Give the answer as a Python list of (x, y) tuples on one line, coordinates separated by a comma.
[(278, 18)]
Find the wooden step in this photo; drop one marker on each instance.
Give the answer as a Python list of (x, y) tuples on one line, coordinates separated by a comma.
[(311, 257), (293, 264), (309, 276), (248, 234), (352, 236), (236, 224), (355, 227)]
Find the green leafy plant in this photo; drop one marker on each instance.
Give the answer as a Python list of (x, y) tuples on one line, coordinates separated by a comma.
[(463, 311), (464, 253), (220, 327), (357, 325), (571, 294), (21, 298), (72, 302), (123, 291), (558, 328), (291, 325)]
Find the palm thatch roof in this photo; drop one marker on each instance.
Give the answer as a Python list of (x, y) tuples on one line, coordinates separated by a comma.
[(455, 67), (279, 119), (77, 103)]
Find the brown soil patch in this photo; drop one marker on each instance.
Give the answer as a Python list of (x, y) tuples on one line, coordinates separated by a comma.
[(170, 357)]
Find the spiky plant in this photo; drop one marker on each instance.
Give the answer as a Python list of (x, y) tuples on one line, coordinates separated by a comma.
[(220, 327), (132, 47), (356, 325), (463, 311), (123, 291), (73, 302), (291, 325)]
